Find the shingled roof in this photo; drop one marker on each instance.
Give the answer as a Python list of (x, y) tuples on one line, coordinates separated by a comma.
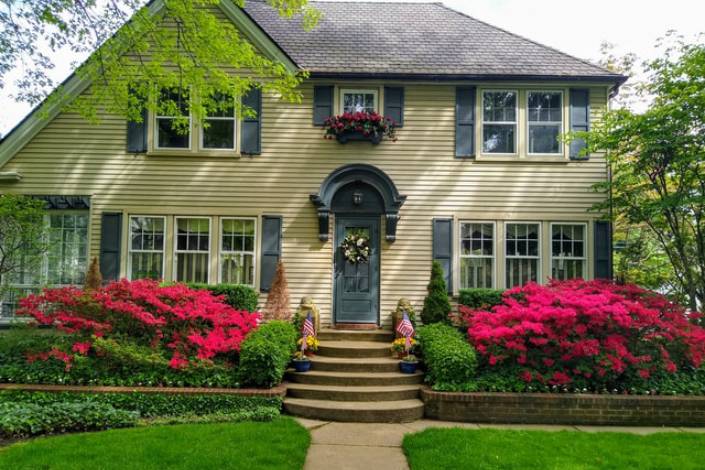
[(414, 39)]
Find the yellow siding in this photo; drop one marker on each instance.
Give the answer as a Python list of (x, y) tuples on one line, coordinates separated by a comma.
[(71, 156)]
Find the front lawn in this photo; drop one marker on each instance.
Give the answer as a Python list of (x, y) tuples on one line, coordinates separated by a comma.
[(280, 444), (523, 450)]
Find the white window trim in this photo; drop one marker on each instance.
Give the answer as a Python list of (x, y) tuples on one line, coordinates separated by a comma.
[(175, 268), (561, 145), (539, 257), (220, 118), (157, 117), (494, 249), (221, 251), (130, 251), (515, 123), (584, 258), (344, 91)]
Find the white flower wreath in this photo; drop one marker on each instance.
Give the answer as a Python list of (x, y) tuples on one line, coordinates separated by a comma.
[(356, 248)]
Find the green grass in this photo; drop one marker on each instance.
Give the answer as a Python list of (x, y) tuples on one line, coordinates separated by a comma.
[(525, 450), (280, 444)]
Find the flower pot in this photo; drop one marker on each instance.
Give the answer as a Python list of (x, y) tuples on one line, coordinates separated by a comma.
[(302, 365), (353, 136), (408, 367)]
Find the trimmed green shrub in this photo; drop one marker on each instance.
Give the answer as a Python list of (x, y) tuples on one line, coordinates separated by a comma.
[(237, 296), (28, 419), (436, 306), (480, 298), (266, 352), (450, 360)]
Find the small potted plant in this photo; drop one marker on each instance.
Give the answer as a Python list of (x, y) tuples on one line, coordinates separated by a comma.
[(301, 362), (399, 347), (409, 364)]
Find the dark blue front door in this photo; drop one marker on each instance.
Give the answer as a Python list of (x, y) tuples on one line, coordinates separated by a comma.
[(357, 284)]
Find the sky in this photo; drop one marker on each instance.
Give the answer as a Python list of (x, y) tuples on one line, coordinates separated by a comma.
[(575, 27)]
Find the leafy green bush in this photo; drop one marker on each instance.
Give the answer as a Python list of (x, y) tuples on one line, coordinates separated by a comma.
[(450, 361), (27, 419), (480, 298), (237, 296), (436, 306), (266, 352)]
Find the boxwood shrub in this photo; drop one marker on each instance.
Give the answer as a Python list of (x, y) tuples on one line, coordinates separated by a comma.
[(450, 360), (266, 352), (480, 298), (237, 296)]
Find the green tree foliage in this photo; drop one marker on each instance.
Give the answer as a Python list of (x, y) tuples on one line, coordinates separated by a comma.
[(436, 306), (184, 45)]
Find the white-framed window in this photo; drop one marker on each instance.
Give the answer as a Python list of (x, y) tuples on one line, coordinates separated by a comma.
[(477, 254), (545, 122), (354, 101), (220, 130), (237, 250), (522, 253), (568, 250), (500, 114), (169, 132), (192, 242), (146, 247)]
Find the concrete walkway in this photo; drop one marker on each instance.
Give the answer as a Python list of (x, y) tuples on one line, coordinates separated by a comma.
[(359, 446)]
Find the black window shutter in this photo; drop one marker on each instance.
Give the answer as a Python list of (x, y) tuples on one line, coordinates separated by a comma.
[(271, 249), (579, 120), (137, 133), (394, 104), (110, 236), (322, 104), (464, 122), (251, 141), (603, 250), (443, 248)]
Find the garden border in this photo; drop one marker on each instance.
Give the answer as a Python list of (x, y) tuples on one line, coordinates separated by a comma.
[(570, 409), (278, 391)]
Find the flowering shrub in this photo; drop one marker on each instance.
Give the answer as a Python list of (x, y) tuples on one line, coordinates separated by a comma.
[(585, 333), (190, 326), (369, 124)]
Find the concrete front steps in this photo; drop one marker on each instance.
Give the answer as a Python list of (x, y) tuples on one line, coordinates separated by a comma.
[(354, 378)]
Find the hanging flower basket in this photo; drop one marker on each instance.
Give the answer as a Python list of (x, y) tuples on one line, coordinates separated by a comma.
[(356, 248), (362, 126)]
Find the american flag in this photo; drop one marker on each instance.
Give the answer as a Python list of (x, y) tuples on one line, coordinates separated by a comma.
[(307, 330), (406, 329)]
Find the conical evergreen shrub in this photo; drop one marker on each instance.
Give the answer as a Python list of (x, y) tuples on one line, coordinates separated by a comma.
[(436, 306)]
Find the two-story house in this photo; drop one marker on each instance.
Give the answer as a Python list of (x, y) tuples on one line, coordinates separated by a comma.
[(478, 179)]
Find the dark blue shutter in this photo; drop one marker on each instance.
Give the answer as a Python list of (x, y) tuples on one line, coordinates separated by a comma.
[(579, 120), (137, 133), (110, 236), (322, 104), (464, 122), (394, 104), (271, 249), (443, 248), (251, 129), (603, 250)]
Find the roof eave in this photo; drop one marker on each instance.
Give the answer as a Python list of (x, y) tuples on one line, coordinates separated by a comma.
[(615, 79)]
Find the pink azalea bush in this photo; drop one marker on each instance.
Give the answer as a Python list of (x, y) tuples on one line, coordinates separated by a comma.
[(189, 326), (585, 332)]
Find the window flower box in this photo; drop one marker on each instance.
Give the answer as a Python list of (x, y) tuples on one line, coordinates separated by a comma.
[(361, 126)]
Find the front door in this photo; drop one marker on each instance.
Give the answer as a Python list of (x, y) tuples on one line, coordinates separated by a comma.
[(357, 284)]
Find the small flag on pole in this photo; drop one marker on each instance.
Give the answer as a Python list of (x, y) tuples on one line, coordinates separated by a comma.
[(406, 329), (307, 330)]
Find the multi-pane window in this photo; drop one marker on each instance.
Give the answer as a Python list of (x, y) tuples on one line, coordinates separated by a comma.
[(173, 122), (499, 121), (219, 126), (237, 251), (146, 258), (522, 253), (477, 255), (568, 251), (192, 249), (545, 116), (354, 101)]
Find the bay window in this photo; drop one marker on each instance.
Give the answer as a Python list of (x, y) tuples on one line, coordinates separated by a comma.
[(146, 247), (499, 122), (192, 249), (568, 251), (522, 253), (545, 121), (173, 120), (477, 255), (237, 251), (358, 101)]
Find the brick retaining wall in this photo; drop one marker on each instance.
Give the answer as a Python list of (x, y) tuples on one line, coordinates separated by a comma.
[(279, 391), (548, 408)]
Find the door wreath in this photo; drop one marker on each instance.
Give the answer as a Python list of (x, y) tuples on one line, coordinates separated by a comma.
[(356, 247)]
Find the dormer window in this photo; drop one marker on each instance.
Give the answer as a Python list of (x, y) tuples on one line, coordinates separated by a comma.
[(358, 101)]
